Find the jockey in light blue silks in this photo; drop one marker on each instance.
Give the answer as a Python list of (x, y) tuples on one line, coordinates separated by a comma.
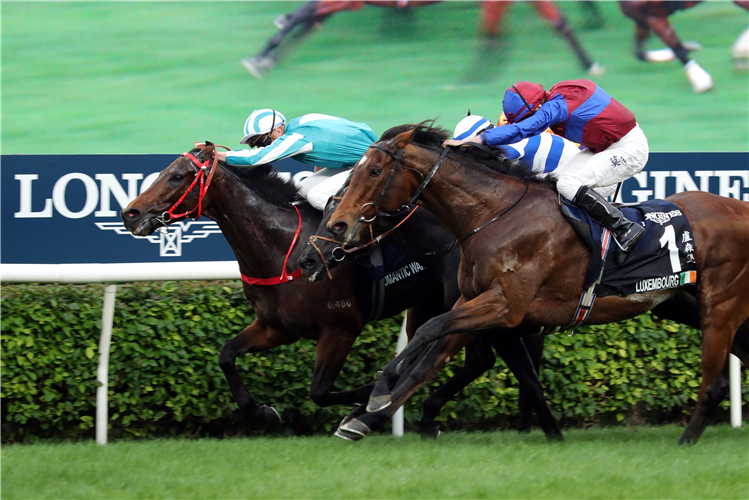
[(332, 144)]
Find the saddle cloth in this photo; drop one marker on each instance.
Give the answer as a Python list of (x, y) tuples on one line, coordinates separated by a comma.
[(384, 266), (662, 259)]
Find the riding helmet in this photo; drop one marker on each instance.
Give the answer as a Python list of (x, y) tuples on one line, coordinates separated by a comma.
[(522, 100), (261, 121)]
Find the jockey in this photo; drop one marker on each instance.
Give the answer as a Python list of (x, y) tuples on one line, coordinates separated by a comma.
[(330, 143), (544, 153), (580, 111)]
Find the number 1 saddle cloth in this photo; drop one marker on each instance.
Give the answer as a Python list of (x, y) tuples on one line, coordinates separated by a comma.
[(662, 259)]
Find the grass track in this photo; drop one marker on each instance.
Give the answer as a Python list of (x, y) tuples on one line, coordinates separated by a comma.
[(151, 77), (597, 463)]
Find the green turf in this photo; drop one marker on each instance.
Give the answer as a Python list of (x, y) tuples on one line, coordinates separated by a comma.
[(597, 463), (152, 77)]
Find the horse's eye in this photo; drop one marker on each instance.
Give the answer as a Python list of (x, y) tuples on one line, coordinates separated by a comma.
[(375, 172), (177, 178)]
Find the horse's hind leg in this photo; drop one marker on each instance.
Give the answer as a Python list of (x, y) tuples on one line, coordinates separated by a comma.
[(514, 353), (257, 337), (717, 337), (534, 345)]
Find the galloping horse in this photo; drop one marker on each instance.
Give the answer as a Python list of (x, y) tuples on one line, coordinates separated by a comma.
[(297, 25), (420, 236), (425, 240), (262, 217), (523, 265)]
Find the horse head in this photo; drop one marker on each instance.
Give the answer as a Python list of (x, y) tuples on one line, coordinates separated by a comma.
[(382, 183), (176, 194)]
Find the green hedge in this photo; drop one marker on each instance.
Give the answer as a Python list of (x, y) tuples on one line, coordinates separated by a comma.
[(165, 379)]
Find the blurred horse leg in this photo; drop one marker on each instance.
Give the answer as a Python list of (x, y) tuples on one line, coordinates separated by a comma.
[(491, 17), (550, 12), (306, 17)]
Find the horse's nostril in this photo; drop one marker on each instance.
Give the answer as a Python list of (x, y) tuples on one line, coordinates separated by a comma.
[(339, 228), (131, 213), (308, 263)]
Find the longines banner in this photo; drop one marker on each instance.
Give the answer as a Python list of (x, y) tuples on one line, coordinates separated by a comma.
[(65, 209)]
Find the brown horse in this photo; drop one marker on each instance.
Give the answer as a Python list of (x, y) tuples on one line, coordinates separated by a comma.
[(654, 16), (261, 217), (522, 264)]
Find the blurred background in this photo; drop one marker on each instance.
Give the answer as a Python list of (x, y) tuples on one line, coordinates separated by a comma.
[(153, 77)]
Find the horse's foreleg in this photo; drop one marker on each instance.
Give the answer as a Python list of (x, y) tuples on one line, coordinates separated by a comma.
[(488, 311), (257, 337), (333, 347), (667, 33), (429, 363), (479, 359)]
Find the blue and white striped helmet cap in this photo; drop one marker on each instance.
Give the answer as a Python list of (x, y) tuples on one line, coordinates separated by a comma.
[(471, 126), (261, 121)]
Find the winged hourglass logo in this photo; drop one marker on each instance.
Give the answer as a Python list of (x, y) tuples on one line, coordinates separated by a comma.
[(170, 243)]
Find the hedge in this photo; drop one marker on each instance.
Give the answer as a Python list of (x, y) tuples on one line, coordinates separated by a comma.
[(165, 379)]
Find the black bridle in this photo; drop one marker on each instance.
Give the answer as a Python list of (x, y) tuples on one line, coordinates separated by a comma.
[(398, 161)]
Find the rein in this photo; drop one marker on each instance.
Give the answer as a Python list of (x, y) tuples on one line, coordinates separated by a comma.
[(346, 251), (495, 218), (284, 278)]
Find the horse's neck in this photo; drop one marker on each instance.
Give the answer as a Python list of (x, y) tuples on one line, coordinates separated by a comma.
[(259, 232), (465, 197), (422, 238)]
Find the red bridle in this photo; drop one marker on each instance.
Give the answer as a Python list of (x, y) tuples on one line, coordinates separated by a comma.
[(205, 182)]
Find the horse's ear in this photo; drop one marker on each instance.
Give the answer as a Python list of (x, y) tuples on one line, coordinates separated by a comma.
[(404, 138), (207, 151)]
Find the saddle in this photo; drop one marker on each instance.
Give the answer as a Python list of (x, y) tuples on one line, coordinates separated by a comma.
[(662, 259)]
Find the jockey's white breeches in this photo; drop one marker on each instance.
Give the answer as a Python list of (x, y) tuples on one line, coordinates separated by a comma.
[(603, 171), (320, 186)]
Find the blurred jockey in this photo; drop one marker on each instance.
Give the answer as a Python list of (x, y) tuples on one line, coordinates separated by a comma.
[(580, 111), (330, 143), (543, 153), (493, 10)]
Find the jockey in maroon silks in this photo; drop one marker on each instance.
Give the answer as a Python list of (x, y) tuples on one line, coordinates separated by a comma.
[(579, 110)]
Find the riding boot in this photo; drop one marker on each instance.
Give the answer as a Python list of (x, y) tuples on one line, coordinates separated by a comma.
[(627, 233)]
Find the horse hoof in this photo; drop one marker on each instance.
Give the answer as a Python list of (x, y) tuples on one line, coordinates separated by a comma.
[(378, 403), (347, 437), (431, 432), (354, 427), (268, 415)]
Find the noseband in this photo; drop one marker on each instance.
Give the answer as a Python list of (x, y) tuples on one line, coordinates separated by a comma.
[(398, 161)]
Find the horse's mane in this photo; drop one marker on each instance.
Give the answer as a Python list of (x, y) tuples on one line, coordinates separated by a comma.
[(432, 136), (265, 181)]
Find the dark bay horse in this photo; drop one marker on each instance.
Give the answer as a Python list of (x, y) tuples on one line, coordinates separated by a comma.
[(522, 264), (253, 207)]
